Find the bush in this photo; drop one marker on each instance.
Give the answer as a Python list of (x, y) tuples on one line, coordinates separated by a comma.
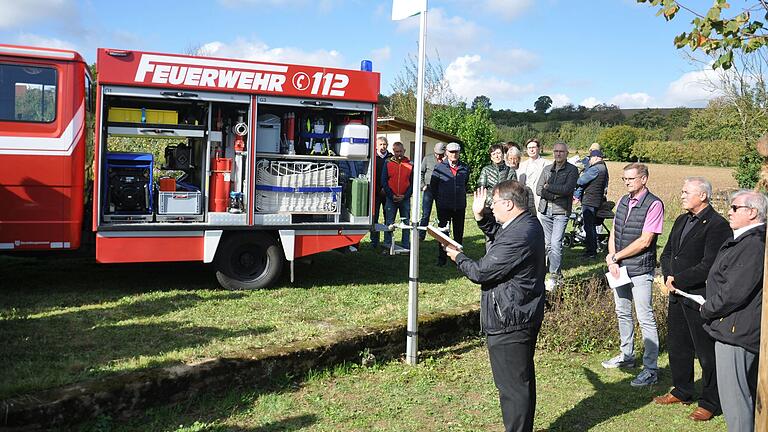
[(688, 152), (583, 319), (747, 172), (617, 142)]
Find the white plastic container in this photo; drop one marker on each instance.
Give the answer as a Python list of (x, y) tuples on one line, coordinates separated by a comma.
[(182, 203), (268, 134), (353, 139)]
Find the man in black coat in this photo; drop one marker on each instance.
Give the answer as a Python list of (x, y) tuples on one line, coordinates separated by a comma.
[(379, 196), (511, 278), (691, 248), (733, 308)]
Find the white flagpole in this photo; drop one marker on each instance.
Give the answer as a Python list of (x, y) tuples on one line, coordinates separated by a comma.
[(412, 334)]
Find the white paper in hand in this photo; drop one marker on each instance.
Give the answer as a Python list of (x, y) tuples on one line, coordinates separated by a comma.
[(695, 297), (622, 280)]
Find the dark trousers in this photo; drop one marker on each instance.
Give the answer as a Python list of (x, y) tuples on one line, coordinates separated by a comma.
[(456, 218), (511, 356), (380, 200), (687, 337), (590, 229), (426, 210)]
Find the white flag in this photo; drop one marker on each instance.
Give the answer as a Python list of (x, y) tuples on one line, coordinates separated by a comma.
[(402, 9)]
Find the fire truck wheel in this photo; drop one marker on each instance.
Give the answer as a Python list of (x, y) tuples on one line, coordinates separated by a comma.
[(249, 261)]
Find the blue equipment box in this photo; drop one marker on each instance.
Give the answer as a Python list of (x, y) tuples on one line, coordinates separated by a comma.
[(128, 184)]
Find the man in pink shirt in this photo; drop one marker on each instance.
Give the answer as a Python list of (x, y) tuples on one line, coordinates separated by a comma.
[(638, 222)]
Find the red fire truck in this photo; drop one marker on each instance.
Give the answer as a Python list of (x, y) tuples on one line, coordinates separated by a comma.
[(245, 164)]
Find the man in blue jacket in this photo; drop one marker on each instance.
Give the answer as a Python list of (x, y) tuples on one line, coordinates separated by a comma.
[(732, 309), (449, 187), (511, 278)]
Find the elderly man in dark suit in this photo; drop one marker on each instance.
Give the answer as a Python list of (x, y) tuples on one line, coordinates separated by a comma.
[(511, 278), (685, 262)]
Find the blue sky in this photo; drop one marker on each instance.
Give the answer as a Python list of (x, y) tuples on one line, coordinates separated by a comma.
[(513, 51)]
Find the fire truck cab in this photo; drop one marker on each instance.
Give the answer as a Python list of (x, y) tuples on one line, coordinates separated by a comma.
[(245, 164)]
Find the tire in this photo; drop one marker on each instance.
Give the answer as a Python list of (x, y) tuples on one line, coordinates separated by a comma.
[(568, 240), (249, 261)]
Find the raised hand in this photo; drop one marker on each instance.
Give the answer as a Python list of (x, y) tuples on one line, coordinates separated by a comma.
[(478, 205)]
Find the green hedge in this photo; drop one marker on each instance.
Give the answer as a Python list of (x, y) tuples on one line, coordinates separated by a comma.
[(687, 152)]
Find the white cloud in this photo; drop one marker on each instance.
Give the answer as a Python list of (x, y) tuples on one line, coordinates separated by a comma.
[(511, 61), (590, 102), (17, 13), (508, 9), (450, 36), (30, 39), (257, 50), (559, 100), (633, 100), (692, 89), (464, 80), (381, 55)]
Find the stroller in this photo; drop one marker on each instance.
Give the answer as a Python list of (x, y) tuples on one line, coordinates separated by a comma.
[(577, 235)]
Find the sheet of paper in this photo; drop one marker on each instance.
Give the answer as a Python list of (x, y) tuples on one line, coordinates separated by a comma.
[(695, 297), (621, 281)]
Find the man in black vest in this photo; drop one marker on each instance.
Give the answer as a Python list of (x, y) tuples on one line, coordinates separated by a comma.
[(687, 257), (632, 245), (511, 278), (591, 190)]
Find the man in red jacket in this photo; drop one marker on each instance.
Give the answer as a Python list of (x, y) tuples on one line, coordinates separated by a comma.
[(397, 180)]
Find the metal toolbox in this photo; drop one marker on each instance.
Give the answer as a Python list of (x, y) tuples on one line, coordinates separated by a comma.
[(179, 203)]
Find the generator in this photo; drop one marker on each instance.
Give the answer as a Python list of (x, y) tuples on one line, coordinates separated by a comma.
[(128, 187)]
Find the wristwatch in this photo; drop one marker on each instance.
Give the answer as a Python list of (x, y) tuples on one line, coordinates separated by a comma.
[(613, 258)]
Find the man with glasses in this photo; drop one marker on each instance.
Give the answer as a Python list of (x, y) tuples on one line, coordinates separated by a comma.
[(732, 309), (530, 170), (511, 278), (638, 222), (555, 187), (691, 248), (428, 165), (449, 187)]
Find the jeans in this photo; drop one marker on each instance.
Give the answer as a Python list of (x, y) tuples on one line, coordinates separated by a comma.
[(392, 207), (554, 229), (641, 292), (590, 229), (426, 210)]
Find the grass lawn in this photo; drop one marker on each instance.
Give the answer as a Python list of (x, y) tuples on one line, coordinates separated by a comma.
[(451, 390), (66, 319)]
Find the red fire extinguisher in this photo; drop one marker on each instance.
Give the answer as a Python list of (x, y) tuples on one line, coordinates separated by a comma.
[(221, 172)]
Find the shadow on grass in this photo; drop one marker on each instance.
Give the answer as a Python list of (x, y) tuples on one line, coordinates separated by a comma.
[(610, 400), (72, 282), (69, 346)]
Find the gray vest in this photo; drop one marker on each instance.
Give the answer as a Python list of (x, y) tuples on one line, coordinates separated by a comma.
[(626, 230)]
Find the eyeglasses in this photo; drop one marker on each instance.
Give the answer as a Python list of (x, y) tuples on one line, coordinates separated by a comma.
[(735, 208), (453, 151), (626, 179), (497, 200)]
